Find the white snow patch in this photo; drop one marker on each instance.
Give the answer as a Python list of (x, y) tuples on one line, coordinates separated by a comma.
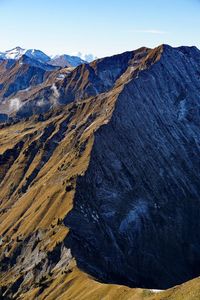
[(61, 76), (15, 53), (26, 90), (156, 291)]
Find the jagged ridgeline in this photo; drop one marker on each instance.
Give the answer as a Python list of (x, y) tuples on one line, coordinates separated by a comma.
[(99, 175)]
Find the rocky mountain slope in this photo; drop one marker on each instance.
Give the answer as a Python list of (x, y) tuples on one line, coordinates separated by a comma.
[(22, 70), (103, 176), (68, 84)]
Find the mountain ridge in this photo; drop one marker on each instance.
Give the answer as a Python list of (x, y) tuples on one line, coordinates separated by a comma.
[(99, 179)]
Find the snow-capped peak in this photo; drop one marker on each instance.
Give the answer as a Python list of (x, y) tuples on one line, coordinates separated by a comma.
[(39, 56), (14, 53), (18, 52)]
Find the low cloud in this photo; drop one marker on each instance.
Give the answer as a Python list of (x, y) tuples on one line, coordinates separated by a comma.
[(55, 95), (87, 57), (15, 104)]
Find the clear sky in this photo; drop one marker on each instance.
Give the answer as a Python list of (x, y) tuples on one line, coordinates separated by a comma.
[(100, 27)]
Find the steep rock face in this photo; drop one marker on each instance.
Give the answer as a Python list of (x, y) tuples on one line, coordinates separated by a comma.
[(139, 201)]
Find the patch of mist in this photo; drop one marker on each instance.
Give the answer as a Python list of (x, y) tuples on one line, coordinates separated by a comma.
[(55, 95), (41, 103), (14, 105), (87, 57)]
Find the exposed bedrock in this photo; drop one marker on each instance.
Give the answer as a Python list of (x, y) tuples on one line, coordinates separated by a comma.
[(136, 214)]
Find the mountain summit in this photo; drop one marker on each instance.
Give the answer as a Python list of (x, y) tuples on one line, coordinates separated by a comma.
[(14, 53), (66, 61), (18, 52)]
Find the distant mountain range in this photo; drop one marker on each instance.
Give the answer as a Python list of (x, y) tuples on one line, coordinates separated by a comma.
[(58, 60)]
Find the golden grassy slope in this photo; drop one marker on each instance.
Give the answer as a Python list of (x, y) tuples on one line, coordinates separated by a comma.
[(79, 286), (40, 161)]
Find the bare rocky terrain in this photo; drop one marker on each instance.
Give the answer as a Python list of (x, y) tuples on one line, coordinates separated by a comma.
[(100, 173)]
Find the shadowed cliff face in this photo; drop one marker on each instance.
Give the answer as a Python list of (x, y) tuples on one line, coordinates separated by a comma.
[(139, 201)]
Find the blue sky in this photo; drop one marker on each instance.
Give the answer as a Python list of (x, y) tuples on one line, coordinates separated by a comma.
[(101, 27)]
